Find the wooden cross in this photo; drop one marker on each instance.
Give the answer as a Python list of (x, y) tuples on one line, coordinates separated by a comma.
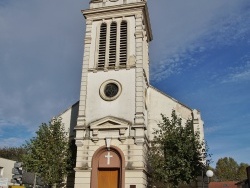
[(108, 158)]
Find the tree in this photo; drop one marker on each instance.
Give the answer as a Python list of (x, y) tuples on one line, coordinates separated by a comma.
[(242, 173), (12, 153), (176, 153), (227, 169), (48, 154)]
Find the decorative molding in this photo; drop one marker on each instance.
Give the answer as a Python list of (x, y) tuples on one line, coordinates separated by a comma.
[(139, 34), (108, 142), (89, 22), (109, 123), (81, 120), (87, 40), (79, 143)]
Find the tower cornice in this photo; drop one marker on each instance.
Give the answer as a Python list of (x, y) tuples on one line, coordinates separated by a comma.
[(120, 11)]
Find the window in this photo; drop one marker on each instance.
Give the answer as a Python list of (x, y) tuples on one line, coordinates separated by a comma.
[(102, 45), (110, 90), (115, 46), (112, 44), (1, 171), (123, 43)]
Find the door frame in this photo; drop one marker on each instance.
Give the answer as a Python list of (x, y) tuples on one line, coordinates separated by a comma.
[(95, 159)]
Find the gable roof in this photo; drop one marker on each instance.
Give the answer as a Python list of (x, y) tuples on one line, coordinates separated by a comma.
[(171, 98)]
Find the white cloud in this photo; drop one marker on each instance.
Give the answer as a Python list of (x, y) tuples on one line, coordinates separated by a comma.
[(40, 59), (172, 65), (192, 28), (245, 75), (238, 73), (212, 129)]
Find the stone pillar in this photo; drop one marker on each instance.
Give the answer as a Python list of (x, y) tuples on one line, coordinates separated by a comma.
[(139, 124), (81, 120)]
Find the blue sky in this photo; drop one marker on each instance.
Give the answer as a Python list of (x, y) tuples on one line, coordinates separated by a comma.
[(200, 56)]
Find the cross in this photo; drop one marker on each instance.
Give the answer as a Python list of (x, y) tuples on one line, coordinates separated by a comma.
[(108, 158)]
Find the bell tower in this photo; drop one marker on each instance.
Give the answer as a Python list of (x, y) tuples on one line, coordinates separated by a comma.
[(112, 117)]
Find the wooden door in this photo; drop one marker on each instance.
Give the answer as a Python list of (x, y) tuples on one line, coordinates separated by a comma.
[(108, 178)]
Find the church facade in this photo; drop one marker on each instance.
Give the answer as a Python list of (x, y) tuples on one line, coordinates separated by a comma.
[(113, 122)]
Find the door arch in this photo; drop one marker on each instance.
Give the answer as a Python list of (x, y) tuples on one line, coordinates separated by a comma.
[(108, 167)]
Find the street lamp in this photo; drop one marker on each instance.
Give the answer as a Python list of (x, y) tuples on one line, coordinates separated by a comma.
[(209, 174)]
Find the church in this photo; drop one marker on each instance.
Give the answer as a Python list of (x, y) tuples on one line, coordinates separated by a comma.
[(118, 109)]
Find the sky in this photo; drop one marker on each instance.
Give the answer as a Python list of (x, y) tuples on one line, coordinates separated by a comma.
[(200, 55)]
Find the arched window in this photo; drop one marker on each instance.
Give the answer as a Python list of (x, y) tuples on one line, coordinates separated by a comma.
[(102, 46), (123, 43), (112, 44)]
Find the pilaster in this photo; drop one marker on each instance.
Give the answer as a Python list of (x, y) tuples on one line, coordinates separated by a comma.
[(139, 124), (81, 120)]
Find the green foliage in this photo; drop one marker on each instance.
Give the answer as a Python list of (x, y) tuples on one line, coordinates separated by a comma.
[(227, 169), (12, 153), (242, 173), (176, 154), (48, 154)]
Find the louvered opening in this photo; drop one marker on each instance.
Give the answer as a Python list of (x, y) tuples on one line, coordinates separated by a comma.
[(112, 44), (102, 45), (123, 43)]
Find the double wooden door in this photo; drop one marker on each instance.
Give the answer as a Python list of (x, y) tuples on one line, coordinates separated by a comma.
[(108, 178)]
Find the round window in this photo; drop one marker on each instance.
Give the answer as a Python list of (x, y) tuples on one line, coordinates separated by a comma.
[(110, 90)]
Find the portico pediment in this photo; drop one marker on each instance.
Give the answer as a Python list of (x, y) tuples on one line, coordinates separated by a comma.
[(109, 127), (109, 123)]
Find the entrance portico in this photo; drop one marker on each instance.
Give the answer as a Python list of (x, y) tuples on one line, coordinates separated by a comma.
[(108, 168)]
